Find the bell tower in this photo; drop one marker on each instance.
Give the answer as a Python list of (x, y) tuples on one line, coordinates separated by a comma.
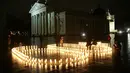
[(111, 19), (112, 30)]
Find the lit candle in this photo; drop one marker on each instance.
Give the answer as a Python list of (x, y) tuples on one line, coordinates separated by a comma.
[(50, 67), (46, 68), (45, 61), (50, 61), (66, 66), (55, 61), (60, 66)]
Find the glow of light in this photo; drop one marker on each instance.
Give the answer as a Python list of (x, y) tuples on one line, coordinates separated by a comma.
[(66, 66), (55, 61), (67, 60), (128, 29), (60, 60), (71, 64), (75, 64), (120, 32), (83, 34), (73, 55), (98, 43), (45, 66), (50, 61), (50, 67), (45, 61), (60, 66), (55, 67)]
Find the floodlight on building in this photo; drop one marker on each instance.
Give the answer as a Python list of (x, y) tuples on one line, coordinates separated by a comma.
[(128, 29), (83, 34), (120, 32)]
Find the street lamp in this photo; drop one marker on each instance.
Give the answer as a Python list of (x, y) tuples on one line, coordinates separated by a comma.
[(83, 34), (128, 29), (120, 32)]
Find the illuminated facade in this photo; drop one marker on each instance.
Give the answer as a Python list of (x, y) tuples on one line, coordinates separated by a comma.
[(111, 19), (42, 22), (46, 20)]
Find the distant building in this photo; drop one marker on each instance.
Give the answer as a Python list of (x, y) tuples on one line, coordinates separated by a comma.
[(47, 21)]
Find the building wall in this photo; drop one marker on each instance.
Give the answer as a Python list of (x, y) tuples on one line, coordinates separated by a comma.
[(43, 24), (75, 25), (100, 28), (64, 23), (94, 27)]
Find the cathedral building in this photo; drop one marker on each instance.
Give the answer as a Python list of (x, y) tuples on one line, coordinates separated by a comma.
[(48, 20)]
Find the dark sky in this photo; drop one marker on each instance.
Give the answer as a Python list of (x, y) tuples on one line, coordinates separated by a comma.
[(120, 8)]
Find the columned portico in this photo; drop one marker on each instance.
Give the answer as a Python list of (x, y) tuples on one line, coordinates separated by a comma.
[(45, 22)]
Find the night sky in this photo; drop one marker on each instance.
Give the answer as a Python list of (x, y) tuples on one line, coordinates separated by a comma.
[(120, 8)]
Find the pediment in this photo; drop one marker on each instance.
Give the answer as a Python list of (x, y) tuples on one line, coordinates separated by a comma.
[(36, 7)]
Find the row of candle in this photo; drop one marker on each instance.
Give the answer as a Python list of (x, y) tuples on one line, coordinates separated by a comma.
[(54, 57)]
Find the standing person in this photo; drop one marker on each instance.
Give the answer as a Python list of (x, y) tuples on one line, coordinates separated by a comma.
[(20, 44), (57, 40), (9, 40), (117, 48), (61, 41), (117, 62), (88, 44)]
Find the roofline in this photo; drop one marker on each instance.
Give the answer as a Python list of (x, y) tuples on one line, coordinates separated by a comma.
[(34, 6)]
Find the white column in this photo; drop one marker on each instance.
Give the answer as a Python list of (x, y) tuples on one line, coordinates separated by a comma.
[(52, 23), (46, 27), (48, 23), (42, 23), (36, 24), (31, 25), (39, 28), (33, 31), (57, 24)]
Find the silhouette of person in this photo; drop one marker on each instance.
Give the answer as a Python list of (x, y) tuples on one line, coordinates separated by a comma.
[(117, 57), (61, 41)]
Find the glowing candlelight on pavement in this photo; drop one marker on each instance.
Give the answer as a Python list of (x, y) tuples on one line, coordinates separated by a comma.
[(55, 61), (45, 61), (69, 55)]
